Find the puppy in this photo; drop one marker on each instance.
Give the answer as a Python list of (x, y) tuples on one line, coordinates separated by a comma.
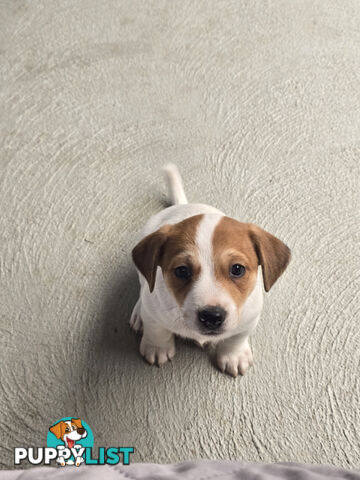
[(69, 432), (199, 278)]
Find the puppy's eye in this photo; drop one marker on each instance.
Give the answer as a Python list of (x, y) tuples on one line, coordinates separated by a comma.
[(237, 270), (67, 430), (182, 272), (74, 427)]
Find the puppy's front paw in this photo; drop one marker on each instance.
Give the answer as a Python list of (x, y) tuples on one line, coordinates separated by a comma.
[(234, 361), (157, 354), (135, 320)]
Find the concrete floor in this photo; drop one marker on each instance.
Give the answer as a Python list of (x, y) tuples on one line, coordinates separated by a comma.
[(258, 104)]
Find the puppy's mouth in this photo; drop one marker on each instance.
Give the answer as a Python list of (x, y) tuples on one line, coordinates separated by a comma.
[(212, 333), (70, 443)]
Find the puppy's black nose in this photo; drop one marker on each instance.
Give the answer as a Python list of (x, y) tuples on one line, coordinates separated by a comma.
[(211, 317)]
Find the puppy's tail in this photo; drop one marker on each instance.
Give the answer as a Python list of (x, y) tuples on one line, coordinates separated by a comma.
[(175, 185)]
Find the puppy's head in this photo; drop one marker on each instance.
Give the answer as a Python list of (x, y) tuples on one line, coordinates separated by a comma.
[(210, 263), (69, 430)]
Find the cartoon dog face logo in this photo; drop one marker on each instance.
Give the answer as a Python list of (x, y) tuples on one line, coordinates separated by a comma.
[(69, 431)]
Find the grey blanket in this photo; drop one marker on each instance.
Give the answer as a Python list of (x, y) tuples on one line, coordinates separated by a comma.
[(198, 470)]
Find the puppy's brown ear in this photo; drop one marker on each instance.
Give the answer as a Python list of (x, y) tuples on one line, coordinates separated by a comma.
[(56, 429), (77, 422), (148, 252), (273, 255)]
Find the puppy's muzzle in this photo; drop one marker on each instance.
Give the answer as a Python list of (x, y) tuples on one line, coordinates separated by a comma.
[(81, 431), (211, 318)]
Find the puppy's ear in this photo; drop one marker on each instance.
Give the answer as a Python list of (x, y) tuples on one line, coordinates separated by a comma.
[(147, 253), (77, 422), (273, 255), (56, 429)]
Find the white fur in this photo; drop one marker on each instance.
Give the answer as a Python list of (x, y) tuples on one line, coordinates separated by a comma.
[(176, 189), (159, 316)]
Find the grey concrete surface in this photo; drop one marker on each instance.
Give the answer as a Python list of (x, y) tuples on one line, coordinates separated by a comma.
[(258, 103)]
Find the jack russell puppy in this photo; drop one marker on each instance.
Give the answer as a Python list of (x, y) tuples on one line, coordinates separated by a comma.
[(199, 279), (69, 431)]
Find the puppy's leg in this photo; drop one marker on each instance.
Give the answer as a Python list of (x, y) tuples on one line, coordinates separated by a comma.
[(61, 461), (135, 320), (234, 355), (157, 344)]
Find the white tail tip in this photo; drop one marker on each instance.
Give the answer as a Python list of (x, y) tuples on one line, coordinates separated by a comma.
[(175, 185)]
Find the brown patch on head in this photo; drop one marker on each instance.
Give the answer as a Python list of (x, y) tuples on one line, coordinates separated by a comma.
[(232, 245), (76, 422), (248, 245), (170, 247), (181, 250)]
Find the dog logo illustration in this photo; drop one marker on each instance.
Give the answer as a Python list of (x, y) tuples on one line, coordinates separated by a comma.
[(70, 434), (70, 441)]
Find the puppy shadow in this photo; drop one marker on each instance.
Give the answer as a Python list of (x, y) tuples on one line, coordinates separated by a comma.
[(116, 337), (112, 345)]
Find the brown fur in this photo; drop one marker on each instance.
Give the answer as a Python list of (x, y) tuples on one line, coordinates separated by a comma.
[(232, 244), (181, 250), (58, 429), (274, 256), (148, 252), (169, 247), (250, 246)]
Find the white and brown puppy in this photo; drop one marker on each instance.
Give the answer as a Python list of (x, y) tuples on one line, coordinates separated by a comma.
[(69, 431), (199, 279)]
